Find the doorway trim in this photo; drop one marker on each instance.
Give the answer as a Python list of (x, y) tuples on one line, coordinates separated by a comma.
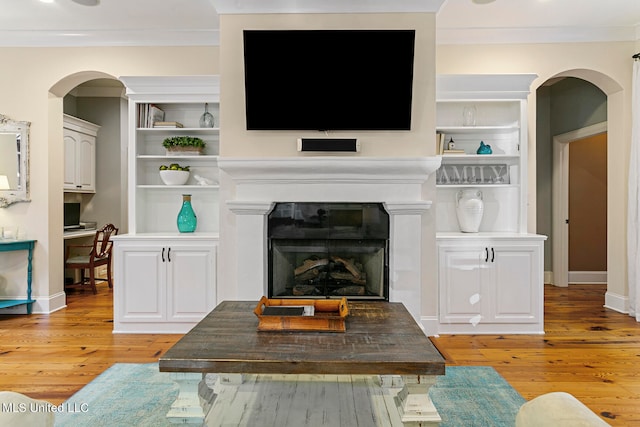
[(560, 198)]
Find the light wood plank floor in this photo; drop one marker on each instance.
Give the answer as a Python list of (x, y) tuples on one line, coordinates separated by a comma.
[(588, 351)]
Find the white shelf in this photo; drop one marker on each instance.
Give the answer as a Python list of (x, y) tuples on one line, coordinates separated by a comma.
[(474, 158), (477, 129), (202, 157), (180, 187), (174, 131)]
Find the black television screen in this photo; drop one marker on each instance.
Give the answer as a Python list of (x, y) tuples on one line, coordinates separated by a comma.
[(328, 79)]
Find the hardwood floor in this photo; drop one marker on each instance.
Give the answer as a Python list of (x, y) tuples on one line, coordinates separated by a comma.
[(588, 351)]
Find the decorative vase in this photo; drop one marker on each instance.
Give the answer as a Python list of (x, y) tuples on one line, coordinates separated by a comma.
[(469, 115), (206, 120), (484, 148), (187, 220), (469, 209)]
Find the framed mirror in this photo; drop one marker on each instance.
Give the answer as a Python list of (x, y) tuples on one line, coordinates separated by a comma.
[(14, 161)]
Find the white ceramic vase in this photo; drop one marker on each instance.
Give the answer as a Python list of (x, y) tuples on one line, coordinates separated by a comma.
[(469, 209)]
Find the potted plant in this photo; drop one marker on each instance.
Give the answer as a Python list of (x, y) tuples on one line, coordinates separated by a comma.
[(183, 145)]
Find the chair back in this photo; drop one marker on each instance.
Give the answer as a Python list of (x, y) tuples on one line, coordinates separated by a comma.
[(102, 241)]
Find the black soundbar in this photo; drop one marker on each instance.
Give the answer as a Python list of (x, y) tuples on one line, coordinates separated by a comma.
[(350, 145)]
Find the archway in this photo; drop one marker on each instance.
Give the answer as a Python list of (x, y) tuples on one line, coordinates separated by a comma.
[(82, 85), (616, 180)]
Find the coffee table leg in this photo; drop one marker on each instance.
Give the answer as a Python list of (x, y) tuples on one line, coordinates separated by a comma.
[(413, 401), (187, 408)]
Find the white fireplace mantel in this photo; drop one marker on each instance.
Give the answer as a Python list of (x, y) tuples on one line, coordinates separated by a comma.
[(253, 185)]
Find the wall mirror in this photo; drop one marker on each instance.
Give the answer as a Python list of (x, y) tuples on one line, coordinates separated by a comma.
[(14, 161)]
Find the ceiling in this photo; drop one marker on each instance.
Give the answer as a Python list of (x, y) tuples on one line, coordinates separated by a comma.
[(195, 22)]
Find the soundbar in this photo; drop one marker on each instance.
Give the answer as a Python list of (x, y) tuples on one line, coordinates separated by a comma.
[(350, 145)]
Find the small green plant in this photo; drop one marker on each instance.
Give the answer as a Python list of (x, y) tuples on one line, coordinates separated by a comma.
[(183, 141)]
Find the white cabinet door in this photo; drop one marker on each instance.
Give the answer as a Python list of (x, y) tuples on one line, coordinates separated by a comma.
[(79, 155), (70, 161), (86, 165), (485, 283), (163, 286), (462, 287), (190, 282), (517, 284), (140, 283)]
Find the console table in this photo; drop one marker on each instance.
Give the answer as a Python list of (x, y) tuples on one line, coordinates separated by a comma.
[(20, 245), (382, 340)]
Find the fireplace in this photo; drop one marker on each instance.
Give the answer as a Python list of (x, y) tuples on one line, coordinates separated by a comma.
[(328, 250), (251, 188)]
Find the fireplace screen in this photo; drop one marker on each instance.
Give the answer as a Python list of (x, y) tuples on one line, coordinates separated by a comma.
[(324, 250)]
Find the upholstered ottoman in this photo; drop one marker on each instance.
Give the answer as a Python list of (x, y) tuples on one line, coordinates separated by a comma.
[(557, 409), (18, 410)]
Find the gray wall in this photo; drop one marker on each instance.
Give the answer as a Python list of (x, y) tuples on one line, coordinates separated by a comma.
[(567, 105), (106, 205)]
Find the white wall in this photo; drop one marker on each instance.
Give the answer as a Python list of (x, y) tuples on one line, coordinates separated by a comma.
[(237, 141)]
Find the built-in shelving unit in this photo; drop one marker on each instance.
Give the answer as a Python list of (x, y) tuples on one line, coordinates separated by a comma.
[(166, 279), (490, 281)]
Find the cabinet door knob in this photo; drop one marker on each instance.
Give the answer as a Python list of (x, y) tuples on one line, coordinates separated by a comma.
[(169, 255), (493, 255), (162, 254), (486, 254)]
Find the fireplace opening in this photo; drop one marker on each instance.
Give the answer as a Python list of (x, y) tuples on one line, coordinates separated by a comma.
[(328, 250)]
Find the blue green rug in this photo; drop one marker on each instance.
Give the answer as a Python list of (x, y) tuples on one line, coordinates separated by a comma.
[(139, 395)]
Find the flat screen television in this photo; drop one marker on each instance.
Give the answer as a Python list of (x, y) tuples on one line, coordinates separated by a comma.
[(328, 79)]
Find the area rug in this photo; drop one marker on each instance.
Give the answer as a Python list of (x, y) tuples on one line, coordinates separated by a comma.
[(139, 395)]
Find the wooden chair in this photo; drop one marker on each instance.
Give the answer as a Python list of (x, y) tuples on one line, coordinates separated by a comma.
[(98, 254)]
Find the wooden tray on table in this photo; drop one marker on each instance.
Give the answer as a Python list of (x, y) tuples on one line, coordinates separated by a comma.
[(302, 314)]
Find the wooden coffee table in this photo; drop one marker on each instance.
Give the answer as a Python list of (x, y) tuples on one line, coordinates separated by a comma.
[(381, 339)]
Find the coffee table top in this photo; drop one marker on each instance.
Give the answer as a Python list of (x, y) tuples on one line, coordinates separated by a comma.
[(381, 338)]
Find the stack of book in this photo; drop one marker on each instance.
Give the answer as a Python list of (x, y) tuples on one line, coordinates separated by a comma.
[(167, 125)]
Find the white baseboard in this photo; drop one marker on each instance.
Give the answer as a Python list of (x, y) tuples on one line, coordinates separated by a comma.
[(617, 302), (588, 277)]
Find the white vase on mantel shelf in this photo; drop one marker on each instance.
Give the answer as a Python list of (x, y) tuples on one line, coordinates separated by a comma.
[(469, 209)]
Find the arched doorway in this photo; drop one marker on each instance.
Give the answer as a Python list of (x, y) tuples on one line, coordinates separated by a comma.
[(613, 107), (97, 98)]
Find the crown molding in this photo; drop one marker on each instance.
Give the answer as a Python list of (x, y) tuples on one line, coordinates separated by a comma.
[(85, 38), (536, 35), (325, 6)]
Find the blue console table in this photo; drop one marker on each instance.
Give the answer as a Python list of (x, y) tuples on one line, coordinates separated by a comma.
[(20, 245)]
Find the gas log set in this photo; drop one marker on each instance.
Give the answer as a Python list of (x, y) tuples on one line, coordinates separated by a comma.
[(326, 250)]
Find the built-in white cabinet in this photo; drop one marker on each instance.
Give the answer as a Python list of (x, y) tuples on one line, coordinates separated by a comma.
[(490, 281), (79, 155), (164, 285), (490, 284), (166, 280)]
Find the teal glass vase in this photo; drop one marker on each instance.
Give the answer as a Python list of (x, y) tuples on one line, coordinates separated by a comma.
[(187, 220)]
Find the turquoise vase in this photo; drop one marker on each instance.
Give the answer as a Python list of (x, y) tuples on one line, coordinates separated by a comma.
[(484, 148), (187, 220)]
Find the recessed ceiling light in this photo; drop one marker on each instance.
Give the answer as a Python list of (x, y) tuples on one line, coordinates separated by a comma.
[(483, 1), (47, 1), (87, 2)]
